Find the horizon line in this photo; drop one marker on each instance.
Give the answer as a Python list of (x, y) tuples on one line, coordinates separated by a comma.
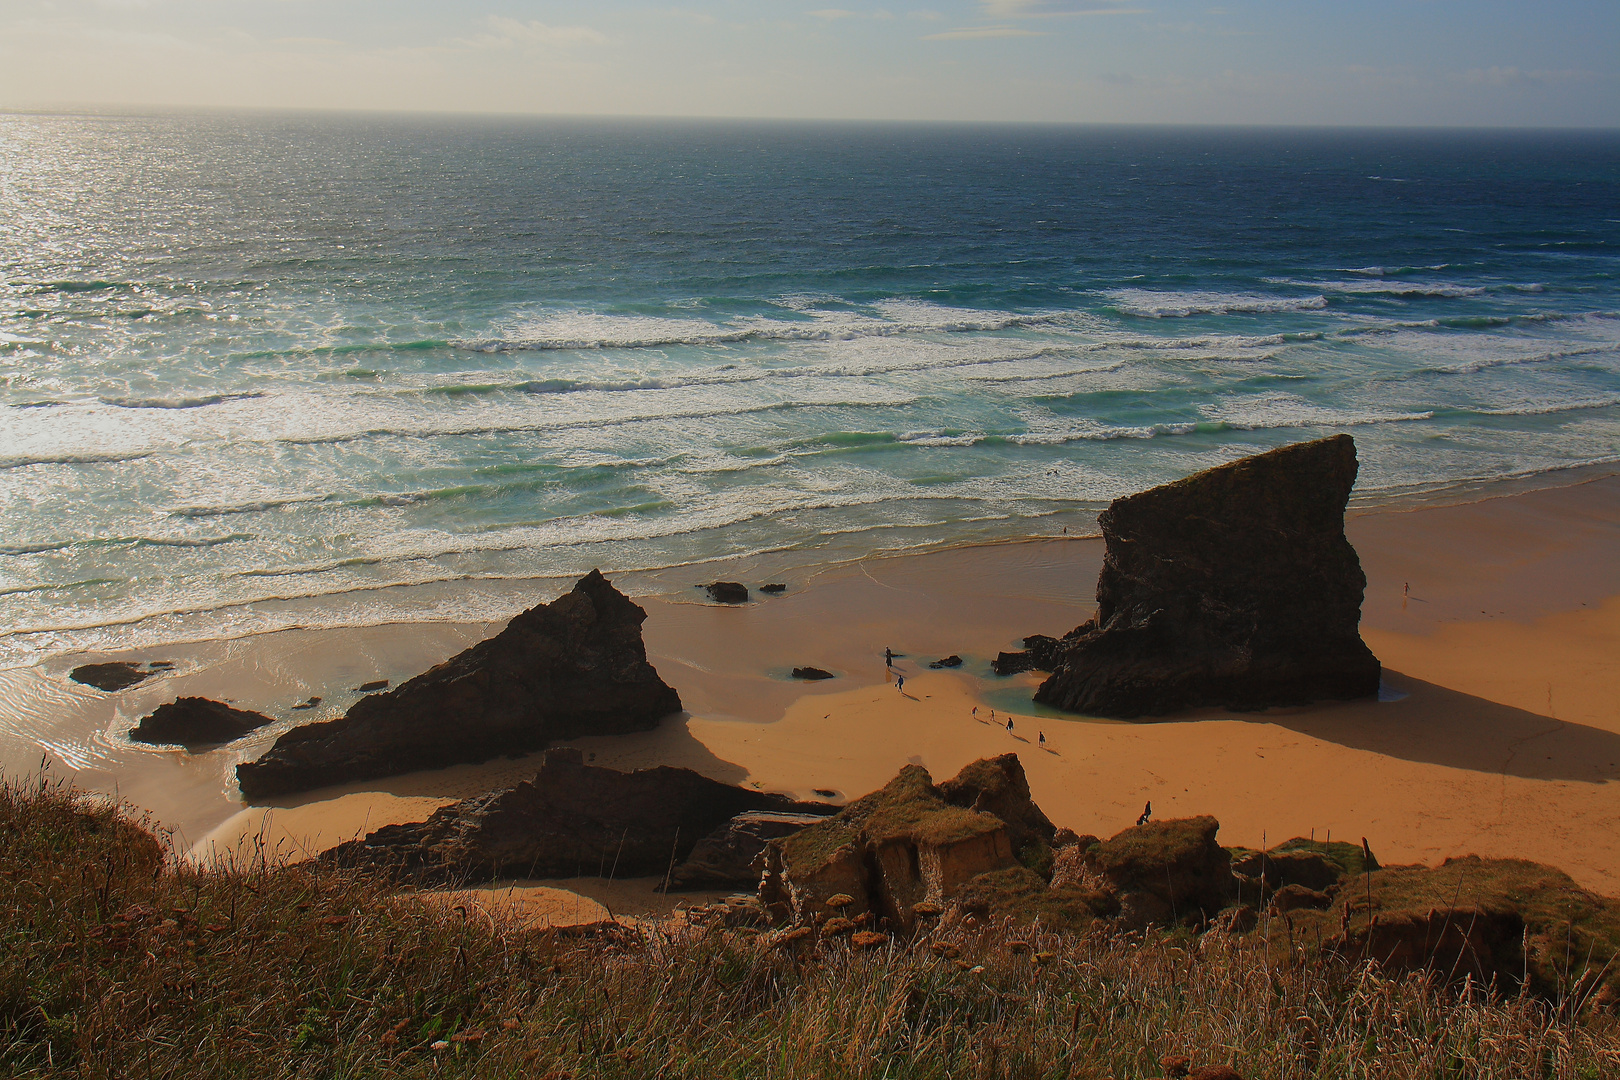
[(150, 109)]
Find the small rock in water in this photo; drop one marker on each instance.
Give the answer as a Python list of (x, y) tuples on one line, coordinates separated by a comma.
[(727, 592), (368, 687), (826, 793), (950, 661), (1011, 663), (310, 704), (109, 677), (159, 665), (193, 722), (776, 587), (812, 673)]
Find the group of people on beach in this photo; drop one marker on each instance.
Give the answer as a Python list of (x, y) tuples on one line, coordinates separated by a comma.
[(900, 686)]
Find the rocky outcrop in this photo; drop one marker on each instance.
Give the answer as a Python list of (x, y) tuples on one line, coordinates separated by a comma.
[(951, 661), (727, 592), (1234, 587), (1166, 871), (734, 854), (571, 819), (575, 666), (1280, 868), (814, 674), (196, 722), (111, 677), (908, 843), (997, 786)]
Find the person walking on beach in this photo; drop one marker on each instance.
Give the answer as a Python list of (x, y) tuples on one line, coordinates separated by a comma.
[(975, 712), (888, 657), (1043, 740), (1009, 723), (900, 683)]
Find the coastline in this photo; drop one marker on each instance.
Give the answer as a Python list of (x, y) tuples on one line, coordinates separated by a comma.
[(1504, 649)]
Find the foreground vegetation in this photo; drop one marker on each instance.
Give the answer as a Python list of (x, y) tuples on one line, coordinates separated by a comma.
[(116, 962)]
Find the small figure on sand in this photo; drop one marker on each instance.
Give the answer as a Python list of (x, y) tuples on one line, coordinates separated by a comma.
[(888, 657), (1009, 723), (900, 683), (1043, 740), (975, 712), (1147, 812)]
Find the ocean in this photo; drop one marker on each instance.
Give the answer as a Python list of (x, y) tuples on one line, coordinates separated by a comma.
[(264, 370)]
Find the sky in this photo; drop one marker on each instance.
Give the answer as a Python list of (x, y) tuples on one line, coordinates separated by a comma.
[(1550, 63)]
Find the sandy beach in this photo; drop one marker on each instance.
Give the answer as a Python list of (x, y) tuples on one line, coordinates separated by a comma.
[(1498, 732)]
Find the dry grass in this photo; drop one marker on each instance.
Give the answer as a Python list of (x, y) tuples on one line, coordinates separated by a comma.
[(117, 966)]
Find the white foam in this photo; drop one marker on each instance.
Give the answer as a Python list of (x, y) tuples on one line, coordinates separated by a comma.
[(1151, 304), (1385, 287)]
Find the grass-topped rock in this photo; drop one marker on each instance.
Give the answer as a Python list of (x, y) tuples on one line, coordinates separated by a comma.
[(907, 843)]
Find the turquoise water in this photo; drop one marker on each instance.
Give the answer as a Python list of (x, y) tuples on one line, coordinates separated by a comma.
[(246, 359)]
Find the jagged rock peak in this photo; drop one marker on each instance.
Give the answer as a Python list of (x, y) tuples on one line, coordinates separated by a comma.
[(576, 666)]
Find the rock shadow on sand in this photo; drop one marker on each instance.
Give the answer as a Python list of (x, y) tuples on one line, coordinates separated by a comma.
[(1439, 726)]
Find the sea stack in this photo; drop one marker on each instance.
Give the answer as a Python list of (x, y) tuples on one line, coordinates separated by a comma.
[(576, 666), (1234, 587)]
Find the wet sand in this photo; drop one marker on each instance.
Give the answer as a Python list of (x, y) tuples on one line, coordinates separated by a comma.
[(1506, 741)]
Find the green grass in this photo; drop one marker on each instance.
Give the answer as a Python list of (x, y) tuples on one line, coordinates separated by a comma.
[(119, 962)]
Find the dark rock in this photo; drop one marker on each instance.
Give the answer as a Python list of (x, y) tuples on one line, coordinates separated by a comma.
[(310, 704), (1304, 868), (572, 818), (110, 677), (998, 786), (951, 661), (1214, 1072), (812, 673), (1045, 652), (1011, 663), (1167, 871), (371, 687), (1234, 587), (908, 843), (774, 589), (734, 853), (727, 592), (160, 665), (1294, 897), (826, 793), (575, 666), (195, 721)]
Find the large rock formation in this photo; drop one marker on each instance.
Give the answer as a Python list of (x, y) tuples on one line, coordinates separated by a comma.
[(1164, 871), (1234, 587), (575, 666), (734, 854), (907, 843), (196, 722), (571, 819)]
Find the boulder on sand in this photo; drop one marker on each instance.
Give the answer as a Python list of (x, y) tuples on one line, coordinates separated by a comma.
[(111, 677), (727, 592), (575, 666), (1234, 587), (571, 819), (194, 722)]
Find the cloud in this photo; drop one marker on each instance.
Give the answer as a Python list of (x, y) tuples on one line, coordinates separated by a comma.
[(1027, 9), (506, 33), (971, 32), (1512, 76), (833, 13)]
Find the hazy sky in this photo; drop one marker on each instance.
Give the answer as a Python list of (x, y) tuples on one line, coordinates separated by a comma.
[(1469, 62)]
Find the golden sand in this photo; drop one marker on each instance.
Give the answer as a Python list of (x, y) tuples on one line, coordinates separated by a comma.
[(1498, 623)]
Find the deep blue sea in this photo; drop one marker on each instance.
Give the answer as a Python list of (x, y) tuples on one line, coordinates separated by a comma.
[(247, 358)]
